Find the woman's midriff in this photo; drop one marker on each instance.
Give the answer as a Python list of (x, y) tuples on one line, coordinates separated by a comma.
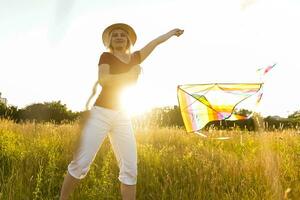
[(109, 98)]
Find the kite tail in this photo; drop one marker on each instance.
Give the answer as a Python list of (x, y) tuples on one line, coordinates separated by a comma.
[(263, 71)]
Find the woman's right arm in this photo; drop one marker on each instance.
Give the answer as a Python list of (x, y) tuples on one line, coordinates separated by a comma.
[(107, 79)]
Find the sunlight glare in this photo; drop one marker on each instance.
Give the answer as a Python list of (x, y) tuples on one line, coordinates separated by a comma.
[(132, 102)]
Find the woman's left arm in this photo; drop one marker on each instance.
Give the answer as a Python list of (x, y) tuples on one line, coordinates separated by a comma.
[(145, 52)]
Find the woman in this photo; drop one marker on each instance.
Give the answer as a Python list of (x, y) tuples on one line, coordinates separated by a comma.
[(118, 68)]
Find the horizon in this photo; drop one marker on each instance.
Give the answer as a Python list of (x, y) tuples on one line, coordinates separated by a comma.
[(132, 114)]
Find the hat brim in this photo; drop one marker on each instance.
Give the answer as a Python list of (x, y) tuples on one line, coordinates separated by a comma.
[(125, 27)]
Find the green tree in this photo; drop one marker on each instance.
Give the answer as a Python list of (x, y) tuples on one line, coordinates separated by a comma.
[(295, 115), (9, 112), (48, 112)]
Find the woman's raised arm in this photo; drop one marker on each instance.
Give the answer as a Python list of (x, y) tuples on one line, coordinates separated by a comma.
[(145, 52)]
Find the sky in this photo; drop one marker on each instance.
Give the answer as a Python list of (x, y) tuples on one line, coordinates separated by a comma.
[(50, 49)]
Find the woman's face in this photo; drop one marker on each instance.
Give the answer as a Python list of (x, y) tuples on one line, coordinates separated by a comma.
[(119, 40)]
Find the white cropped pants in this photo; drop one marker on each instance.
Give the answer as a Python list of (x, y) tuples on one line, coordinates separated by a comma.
[(117, 125)]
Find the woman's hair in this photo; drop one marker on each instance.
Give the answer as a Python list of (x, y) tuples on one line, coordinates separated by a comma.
[(92, 95), (128, 48)]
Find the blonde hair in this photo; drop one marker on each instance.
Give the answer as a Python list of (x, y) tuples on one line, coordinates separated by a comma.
[(94, 90), (92, 95)]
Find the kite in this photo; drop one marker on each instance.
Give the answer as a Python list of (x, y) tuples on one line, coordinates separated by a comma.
[(202, 103)]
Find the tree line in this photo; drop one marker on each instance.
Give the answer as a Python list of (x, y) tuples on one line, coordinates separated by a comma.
[(55, 112), (170, 116)]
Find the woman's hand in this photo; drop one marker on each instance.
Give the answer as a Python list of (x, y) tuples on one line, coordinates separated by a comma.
[(135, 70), (133, 74), (127, 78), (178, 32)]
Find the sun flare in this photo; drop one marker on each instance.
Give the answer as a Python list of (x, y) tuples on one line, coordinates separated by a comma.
[(132, 102)]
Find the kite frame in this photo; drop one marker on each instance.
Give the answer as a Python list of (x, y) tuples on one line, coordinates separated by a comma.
[(222, 88)]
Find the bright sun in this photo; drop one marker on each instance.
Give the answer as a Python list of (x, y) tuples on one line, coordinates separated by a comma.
[(131, 102)]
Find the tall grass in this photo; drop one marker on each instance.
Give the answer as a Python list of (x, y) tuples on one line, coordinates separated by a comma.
[(172, 164)]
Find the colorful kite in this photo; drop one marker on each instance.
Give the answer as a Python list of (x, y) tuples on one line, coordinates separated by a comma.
[(203, 103)]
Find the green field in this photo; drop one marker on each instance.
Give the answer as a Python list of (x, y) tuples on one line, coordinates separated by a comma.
[(172, 164)]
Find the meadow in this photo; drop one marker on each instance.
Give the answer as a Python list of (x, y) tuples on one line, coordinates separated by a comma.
[(172, 164)]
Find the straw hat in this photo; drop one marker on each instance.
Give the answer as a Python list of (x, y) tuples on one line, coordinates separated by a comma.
[(125, 27)]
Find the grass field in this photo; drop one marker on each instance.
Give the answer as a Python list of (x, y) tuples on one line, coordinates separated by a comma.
[(172, 164)]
